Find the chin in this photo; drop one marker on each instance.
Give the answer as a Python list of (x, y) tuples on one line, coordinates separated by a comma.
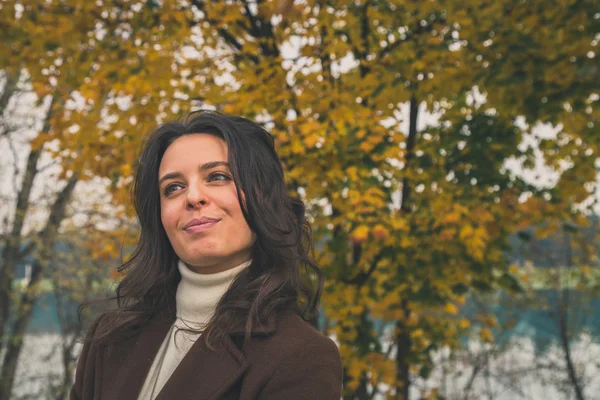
[(204, 260)]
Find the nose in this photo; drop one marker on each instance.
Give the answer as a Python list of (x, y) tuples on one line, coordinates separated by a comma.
[(195, 198)]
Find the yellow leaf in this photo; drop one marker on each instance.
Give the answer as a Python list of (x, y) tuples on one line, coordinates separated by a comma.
[(380, 232), (451, 308), (361, 233), (356, 310), (126, 170), (486, 335), (366, 146), (586, 270), (452, 217), (417, 333), (413, 320), (419, 65), (311, 140), (352, 173), (466, 232)]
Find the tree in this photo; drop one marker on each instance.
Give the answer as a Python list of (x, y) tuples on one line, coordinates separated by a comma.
[(542, 64), (86, 60), (14, 250), (410, 218), (80, 276), (570, 271)]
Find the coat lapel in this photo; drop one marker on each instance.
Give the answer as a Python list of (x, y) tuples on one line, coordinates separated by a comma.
[(137, 356), (205, 374), (202, 373)]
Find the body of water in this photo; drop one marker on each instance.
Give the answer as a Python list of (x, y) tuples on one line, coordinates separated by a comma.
[(526, 362)]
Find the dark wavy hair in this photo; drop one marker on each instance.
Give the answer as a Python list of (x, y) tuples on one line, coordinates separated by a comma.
[(282, 273)]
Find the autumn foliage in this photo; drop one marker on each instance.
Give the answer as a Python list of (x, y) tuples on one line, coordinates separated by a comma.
[(374, 108)]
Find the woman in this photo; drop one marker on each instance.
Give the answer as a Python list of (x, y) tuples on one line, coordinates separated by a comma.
[(211, 305)]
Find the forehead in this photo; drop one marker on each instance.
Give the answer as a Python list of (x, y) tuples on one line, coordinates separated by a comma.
[(192, 151)]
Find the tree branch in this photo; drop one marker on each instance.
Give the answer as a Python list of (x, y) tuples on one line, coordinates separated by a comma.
[(409, 36), (363, 276), (10, 88)]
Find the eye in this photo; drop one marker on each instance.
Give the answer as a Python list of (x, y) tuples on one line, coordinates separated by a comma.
[(171, 188), (218, 176)]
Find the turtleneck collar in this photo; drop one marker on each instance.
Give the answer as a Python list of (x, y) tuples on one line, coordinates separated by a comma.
[(198, 294)]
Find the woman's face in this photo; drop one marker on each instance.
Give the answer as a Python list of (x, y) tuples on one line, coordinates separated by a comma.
[(199, 207)]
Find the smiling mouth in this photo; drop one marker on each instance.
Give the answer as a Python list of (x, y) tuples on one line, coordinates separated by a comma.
[(201, 227)]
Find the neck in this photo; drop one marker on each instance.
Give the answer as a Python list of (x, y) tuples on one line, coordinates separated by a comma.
[(209, 269), (199, 294)]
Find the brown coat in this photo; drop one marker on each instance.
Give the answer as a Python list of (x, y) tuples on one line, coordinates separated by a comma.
[(287, 359)]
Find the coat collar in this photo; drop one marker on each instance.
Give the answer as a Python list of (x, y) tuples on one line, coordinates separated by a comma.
[(211, 372)]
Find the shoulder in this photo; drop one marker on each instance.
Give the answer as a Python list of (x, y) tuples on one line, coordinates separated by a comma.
[(297, 341), (293, 336), (295, 331), (96, 326), (297, 361)]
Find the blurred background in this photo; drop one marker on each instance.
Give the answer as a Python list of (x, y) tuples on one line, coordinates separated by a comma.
[(448, 152)]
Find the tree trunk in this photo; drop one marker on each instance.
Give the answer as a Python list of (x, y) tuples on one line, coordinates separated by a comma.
[(70, 332), (10, 255), (12, 245), (563, 326), (30, 295), (404, 344), (15, 342), (362, 393), (410, 152), (564, 340), (403, 341), (10, 88)]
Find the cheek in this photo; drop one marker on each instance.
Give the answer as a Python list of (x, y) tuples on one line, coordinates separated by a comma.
[(229, 201), (168, 217), (233, 207), (235, 203)]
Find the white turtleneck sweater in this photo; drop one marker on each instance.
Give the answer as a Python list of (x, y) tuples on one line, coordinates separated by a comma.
[(197, 298)]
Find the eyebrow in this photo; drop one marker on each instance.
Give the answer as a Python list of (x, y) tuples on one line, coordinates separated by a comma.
[(203, 167)]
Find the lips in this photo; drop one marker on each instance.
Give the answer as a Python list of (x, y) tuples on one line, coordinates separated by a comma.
[(200, 224)]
